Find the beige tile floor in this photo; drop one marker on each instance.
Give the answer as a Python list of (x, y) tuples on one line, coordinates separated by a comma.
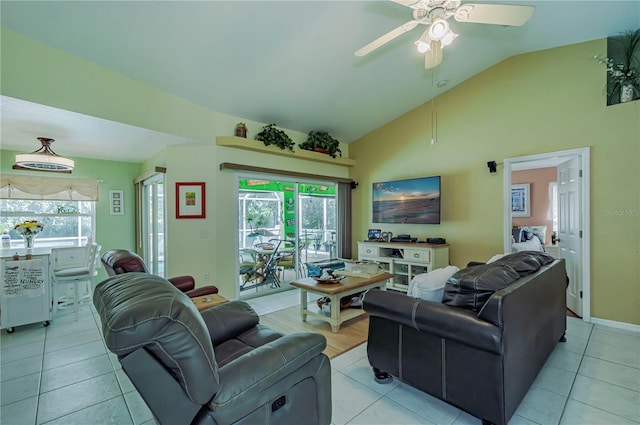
[(63, 374)]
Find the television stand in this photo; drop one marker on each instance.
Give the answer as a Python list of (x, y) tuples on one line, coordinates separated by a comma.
[(404, 260)]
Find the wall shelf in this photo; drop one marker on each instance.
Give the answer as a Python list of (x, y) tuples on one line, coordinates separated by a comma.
[(256, 146)]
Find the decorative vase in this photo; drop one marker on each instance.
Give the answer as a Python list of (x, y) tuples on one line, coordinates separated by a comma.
[(29, 241), (241, 130), (626, 93)]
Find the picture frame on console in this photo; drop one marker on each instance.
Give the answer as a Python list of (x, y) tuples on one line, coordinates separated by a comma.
[(190, 200), (520, 200)]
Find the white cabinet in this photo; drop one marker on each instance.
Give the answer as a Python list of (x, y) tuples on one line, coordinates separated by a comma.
[(25, 295), (404, 260), (68, 257)]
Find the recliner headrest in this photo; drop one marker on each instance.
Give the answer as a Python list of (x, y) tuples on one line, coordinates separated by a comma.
[(118, 261), (140, 310)]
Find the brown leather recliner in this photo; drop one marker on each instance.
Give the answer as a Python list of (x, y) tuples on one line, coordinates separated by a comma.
[(215, 367), (118, 261)]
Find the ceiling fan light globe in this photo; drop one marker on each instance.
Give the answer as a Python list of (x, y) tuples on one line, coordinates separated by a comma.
[(423, 47), (438, 29), (448, 38)]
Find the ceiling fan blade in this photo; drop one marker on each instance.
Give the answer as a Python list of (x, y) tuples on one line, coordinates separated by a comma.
[(433, 57), (497, 14), (387, 38), (407, 3)]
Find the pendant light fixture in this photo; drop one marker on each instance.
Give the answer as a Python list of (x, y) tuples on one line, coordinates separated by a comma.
[(43, 159)]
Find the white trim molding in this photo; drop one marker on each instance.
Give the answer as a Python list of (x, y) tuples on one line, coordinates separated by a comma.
[(613, 324), (552, 159)]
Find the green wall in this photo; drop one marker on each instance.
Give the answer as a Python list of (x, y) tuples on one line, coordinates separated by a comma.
[(540, 102), (112, 231)]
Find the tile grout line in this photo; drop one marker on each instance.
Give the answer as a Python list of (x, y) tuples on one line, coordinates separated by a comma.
[(575, 376)]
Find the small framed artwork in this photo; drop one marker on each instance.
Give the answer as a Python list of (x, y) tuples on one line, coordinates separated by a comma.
[(520, 200), (190, 200), (116, 202)]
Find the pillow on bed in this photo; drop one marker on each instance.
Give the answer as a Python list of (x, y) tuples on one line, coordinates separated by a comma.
[(532, 244), (531, 231)]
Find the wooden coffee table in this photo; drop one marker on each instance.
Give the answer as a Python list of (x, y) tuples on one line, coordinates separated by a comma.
[(205, 301), (335, 291)]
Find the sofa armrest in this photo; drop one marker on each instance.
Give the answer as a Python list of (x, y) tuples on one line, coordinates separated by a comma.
[(229, 320), (257, 371), (183, 283), (438, 319), (203, 290)]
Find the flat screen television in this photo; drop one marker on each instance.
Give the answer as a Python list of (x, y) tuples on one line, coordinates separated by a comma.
[(412, 201)]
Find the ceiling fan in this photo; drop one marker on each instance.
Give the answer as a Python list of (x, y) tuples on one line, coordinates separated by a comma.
[(434, 14)]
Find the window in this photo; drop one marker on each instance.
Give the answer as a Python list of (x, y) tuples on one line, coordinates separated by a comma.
[(66, 223)]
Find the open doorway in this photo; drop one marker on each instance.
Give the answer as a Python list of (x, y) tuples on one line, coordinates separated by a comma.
[(571, 224)]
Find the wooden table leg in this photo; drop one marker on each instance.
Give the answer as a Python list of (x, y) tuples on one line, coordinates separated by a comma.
[(335, 313), (303, 304)]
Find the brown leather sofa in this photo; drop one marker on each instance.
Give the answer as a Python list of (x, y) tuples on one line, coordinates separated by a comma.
[(215, 367), (482, 359), (118, 261)]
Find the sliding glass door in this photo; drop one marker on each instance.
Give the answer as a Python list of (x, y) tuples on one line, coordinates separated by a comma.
[(153, 224), (282, 225)]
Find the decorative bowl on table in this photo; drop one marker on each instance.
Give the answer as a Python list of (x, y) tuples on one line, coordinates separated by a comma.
[(330, 279), (328, 276)]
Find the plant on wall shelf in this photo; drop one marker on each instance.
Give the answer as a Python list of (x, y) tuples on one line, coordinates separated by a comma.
[(321, 141), (623, 83), (270, 135)]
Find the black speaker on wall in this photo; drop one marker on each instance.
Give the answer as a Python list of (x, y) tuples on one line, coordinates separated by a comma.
[(493, 167)]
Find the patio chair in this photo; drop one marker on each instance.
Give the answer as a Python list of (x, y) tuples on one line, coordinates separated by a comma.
[(265, 265), (250, 268), (288, 259)]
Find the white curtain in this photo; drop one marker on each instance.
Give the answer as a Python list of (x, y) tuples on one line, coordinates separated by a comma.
[(47, 188)]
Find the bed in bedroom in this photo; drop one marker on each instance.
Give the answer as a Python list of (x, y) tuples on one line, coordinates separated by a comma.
[(528, 238)]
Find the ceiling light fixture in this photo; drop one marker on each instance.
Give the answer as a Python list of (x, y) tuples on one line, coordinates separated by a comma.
[(44, 159), (439, 30)]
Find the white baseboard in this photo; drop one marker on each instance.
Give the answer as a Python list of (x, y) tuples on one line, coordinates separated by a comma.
[(612, 323)]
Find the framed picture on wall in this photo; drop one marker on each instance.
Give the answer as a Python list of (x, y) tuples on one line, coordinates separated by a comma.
[(520, 200), (190, 200), (116, 202)]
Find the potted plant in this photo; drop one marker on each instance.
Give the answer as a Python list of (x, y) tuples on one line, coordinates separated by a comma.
[(623, 67), (316, 238), (328, 245), (321, 141), (270, 135), (257, 232)]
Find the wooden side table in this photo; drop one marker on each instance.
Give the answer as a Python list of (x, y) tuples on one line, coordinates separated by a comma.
[(206, 301)]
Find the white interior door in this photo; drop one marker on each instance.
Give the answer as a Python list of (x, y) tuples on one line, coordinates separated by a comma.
[(570, 230)]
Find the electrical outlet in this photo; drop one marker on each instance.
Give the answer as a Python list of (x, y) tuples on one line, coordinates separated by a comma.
[(206, 277)]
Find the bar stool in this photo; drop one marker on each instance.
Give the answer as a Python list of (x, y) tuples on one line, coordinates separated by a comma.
[(76, 276)]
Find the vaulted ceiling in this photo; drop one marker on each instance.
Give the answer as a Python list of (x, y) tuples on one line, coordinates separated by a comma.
[(288, 62)]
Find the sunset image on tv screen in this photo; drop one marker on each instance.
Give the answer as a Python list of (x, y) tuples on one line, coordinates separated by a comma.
[(415, 201)]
